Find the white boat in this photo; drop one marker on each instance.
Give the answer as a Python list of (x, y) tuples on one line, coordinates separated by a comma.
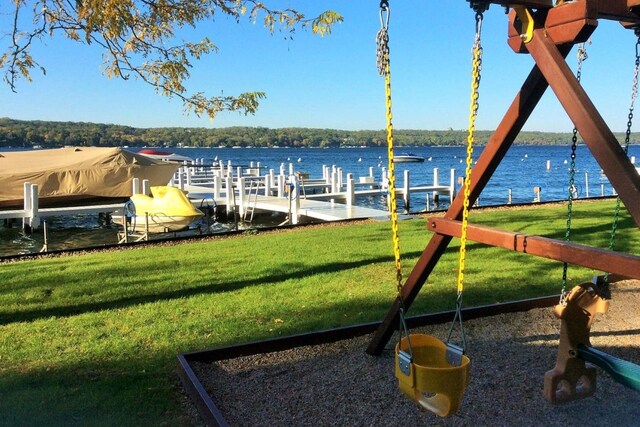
[(167, 209), (408, 158), (165, 156)]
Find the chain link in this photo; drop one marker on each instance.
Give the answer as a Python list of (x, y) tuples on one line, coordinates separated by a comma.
[(384, 69), (382, 39), (582, 56)]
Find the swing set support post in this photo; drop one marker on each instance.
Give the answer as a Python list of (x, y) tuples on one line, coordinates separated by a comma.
[(594, 131), (550, 69)]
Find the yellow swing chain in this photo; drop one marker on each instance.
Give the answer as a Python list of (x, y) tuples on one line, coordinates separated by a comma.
[(475, 85), (384, 69)]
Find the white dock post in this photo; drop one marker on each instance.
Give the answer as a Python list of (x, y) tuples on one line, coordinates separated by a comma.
[(229, 193), (281, 168), (351, 193), (180, 181), (406, 189), (239, 172), (340, 181), (602, 190), (267, 189), (217, 184), (452, 185), (221, 163), (509, 197), (135, 182), (291, 171), (384, 180), (34, 220), (586, 184), (436, 183), (188, 172), (271, 181), (241, 195), (536, 192), (334, 182), (26, 203), (295, 194), (146, 188), (281, 183)]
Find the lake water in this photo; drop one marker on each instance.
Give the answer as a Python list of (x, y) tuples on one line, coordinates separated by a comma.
[(524, 168)]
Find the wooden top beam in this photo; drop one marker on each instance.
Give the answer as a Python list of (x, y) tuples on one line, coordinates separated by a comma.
[(627, 11)]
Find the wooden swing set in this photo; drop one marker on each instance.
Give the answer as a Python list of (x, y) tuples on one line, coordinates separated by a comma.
[(434, 373)]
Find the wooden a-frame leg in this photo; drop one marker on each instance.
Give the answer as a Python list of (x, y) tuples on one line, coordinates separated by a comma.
[(594, 131)]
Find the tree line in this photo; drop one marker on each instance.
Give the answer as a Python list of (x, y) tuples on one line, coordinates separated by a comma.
[(47, 134)]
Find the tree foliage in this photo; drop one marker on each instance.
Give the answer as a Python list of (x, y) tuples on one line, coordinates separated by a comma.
[(138, 38)]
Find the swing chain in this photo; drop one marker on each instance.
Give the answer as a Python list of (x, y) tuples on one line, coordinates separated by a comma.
[(474, 105), (627, 137), (582, 56), (382, 39), (385, 70)]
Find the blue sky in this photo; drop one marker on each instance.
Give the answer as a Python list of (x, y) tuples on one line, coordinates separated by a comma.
[(331, 82)]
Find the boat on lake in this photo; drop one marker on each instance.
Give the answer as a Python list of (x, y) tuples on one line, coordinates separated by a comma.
[(165, 156), (77, 175), (408, 158), (167, 209)]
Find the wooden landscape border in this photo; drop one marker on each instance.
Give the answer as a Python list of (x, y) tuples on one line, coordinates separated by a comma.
[(211, 414)]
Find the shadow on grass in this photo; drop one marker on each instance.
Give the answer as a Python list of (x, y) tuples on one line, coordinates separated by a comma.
[(283, 273)]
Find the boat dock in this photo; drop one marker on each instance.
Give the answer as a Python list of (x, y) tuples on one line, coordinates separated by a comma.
[(250, 189), (330, 198), (31, 214)]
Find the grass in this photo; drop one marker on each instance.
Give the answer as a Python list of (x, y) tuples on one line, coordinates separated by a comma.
[(92, 339)]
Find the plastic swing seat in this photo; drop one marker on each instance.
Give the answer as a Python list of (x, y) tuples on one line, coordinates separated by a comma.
[(428, 378)]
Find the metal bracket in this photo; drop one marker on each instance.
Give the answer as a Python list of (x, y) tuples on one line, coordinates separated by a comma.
[(454, 354), (404, 362), (524, 15)]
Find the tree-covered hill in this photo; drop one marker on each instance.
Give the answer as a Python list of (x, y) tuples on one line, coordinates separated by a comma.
[(17, 133)]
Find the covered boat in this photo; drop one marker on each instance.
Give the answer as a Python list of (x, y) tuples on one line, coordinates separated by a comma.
[(167, 209), (68, 176)]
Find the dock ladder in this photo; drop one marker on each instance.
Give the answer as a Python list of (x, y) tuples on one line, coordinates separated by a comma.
[(252, 201)]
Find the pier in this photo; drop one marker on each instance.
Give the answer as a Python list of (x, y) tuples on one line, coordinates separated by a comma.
[(332, 197), (31, 214)]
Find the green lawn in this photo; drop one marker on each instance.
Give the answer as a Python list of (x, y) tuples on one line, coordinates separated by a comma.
[(92, 339)]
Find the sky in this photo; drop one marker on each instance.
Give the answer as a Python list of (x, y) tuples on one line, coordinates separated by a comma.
[(332, 81)]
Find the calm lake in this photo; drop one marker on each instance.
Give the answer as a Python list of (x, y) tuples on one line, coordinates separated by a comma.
[(524, 168)]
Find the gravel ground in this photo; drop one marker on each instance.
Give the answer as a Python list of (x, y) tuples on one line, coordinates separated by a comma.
[(339, 384)]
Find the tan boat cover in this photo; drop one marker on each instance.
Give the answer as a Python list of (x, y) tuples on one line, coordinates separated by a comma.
[(83, 172)]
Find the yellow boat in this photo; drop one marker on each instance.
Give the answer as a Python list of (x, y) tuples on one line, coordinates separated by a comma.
[(167, 209)]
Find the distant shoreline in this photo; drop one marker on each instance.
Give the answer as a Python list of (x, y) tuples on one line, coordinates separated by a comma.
[(51, 134)]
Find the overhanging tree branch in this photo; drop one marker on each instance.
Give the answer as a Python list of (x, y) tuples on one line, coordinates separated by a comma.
[(135, 36)]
